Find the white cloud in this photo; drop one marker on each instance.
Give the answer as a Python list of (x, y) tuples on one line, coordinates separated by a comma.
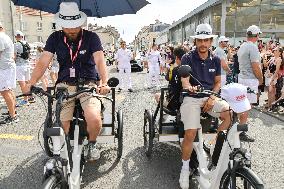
[(165, 10)]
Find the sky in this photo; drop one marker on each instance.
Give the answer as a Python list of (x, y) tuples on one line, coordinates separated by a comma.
[(166, 11)]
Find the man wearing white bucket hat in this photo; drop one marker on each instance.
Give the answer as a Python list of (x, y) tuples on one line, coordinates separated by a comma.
[(79, 52), (206, 68)]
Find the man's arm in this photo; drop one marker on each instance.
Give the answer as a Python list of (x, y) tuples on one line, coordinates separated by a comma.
[(41, 66), (257, 71), (217, 84), (101, 66)]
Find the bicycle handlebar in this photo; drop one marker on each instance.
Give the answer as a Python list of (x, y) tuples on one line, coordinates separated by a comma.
[(38, 90), (207, 93)]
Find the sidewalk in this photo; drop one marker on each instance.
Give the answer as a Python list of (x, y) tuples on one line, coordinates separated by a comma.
[(260, 108)]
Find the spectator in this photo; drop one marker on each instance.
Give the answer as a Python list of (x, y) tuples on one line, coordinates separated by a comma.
[(22, 50), (44, 79), (7, 76), (277, 78), (54, 69), (249, 63), (220, 52)]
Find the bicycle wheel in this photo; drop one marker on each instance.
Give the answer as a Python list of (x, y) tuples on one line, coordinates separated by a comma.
[(245, 179), (148, 133), (120, 133), (53, 182)]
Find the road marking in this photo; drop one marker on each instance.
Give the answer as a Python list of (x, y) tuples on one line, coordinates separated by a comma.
[(15, 137)]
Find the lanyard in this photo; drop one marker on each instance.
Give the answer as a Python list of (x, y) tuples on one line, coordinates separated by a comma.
[(73, 58)]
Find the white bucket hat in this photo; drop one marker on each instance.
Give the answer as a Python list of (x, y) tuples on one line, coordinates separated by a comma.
[(69, 15), (203, 31), (223, 39), (236, 95)]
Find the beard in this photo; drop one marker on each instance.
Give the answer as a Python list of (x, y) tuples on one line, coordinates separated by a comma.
[(72, 36), (202, 49)]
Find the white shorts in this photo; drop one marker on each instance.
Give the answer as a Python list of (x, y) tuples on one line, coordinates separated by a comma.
[(22, 73), (7, 79), (253, 84), (191, 108)]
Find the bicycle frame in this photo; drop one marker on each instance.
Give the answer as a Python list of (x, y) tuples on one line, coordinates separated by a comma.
[(211, 179)]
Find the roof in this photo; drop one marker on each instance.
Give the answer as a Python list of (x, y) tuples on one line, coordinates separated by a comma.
[(202, 7)]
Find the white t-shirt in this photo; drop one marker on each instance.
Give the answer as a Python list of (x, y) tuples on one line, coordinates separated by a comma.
[(219, 52), (19, 49), (247, 54), (123, 56), (6, 52), (154, 57)]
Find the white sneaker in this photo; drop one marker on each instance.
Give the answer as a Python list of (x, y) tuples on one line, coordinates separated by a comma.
[(94, 153), (184, 179)]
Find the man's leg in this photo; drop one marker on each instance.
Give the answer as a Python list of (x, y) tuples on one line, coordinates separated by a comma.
[(121, 78), (190, 116), (94, 122), (187, 145), (10, 102), (128, 78), (24, 88), (92, 114)]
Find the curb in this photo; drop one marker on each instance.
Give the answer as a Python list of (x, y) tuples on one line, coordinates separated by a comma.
[(276, 116)]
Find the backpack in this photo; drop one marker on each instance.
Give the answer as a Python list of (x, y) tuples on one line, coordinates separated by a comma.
[(26, 51)]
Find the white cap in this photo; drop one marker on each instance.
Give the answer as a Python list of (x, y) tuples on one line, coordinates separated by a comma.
[(203, 31), (236, 95), (1, 25), (223, 38), (254, 30), (18, 32)]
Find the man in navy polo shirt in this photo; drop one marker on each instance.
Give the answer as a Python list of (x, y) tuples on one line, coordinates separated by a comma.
[(207, 70), (78, 52)]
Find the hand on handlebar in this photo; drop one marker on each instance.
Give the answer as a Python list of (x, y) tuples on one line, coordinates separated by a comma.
[(103, 90)]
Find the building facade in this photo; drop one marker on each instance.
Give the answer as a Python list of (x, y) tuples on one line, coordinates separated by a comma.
[(109, 35), (231, 18), (148, 35), (36, 25)]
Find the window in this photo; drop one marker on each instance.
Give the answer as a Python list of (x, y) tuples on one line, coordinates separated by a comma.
[(39, 26), (53, 26), (24, 26), (39, 39)]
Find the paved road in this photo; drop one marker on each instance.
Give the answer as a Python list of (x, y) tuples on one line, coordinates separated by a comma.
[(22, 159)]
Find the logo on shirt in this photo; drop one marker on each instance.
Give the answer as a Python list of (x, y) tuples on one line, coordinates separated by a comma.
[(211, 70), (82, 51)]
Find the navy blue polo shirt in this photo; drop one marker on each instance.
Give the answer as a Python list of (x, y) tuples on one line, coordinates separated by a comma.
[(203, 70), (84, 63)]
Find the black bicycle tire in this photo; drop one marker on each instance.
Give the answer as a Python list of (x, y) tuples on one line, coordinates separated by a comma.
[(247, 174), (149, 139), (51, 182), (120, 133)]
